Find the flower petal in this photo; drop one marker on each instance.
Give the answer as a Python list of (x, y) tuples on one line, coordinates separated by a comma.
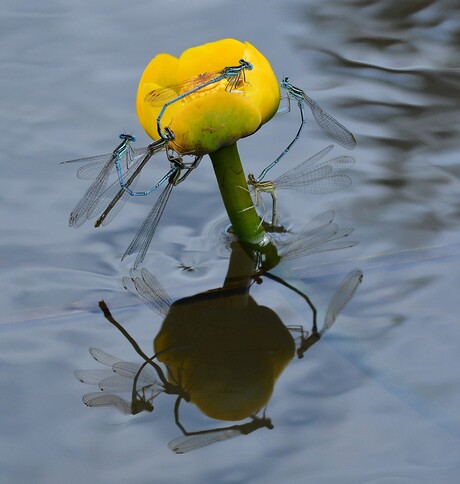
[(213, 116), (211, 57), (208, 123)]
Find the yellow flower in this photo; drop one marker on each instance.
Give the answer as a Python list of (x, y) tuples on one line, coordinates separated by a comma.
[(212, 117)]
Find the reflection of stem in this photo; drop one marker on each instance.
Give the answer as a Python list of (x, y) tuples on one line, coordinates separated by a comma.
[(241, 268)]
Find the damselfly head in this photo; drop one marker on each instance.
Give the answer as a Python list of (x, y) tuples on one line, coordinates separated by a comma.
[(285, 82), (127, 137), (252, 180), (139, 406), (169, 133), (246, 65)]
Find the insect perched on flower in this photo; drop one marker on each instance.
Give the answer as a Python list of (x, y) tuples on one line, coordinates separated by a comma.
[(218, 112)]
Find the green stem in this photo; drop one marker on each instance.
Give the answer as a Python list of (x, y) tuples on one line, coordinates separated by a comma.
[(239, 205), (235, 195)]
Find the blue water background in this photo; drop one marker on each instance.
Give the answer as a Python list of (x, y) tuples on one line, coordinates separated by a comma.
[(378, 399)]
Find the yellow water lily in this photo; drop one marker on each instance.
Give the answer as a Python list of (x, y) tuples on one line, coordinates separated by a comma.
[(214, 116)]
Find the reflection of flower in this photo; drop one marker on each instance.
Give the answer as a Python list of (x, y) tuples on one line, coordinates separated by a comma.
[(225, 351), (212, 117)]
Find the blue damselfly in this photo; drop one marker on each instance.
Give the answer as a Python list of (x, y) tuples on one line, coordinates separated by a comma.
[(325, 121), (143, 238), (127, 162), (99, 168), (171, 94), (112, 200), (320, 234), (311, 176)]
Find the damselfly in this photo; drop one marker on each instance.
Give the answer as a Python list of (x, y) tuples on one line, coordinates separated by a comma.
[(143, 238), (127, 162), (99, 168), (321, 234), (123, 377), (114, 197), (325, 121), (148, 289), (171, 94), (311, 176)]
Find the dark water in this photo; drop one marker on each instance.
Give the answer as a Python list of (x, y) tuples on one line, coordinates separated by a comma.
[(378, 398)]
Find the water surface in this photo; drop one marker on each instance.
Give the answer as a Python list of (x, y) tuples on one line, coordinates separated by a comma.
[(377, 399)]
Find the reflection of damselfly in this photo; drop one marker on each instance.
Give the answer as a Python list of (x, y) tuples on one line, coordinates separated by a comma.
[(143, 384), (325, 121), (141, 379), (341, 298), (144, 381), (171, 94), (122, 377), (321, 234), (196, 440), (311, 176), (146, 287)]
